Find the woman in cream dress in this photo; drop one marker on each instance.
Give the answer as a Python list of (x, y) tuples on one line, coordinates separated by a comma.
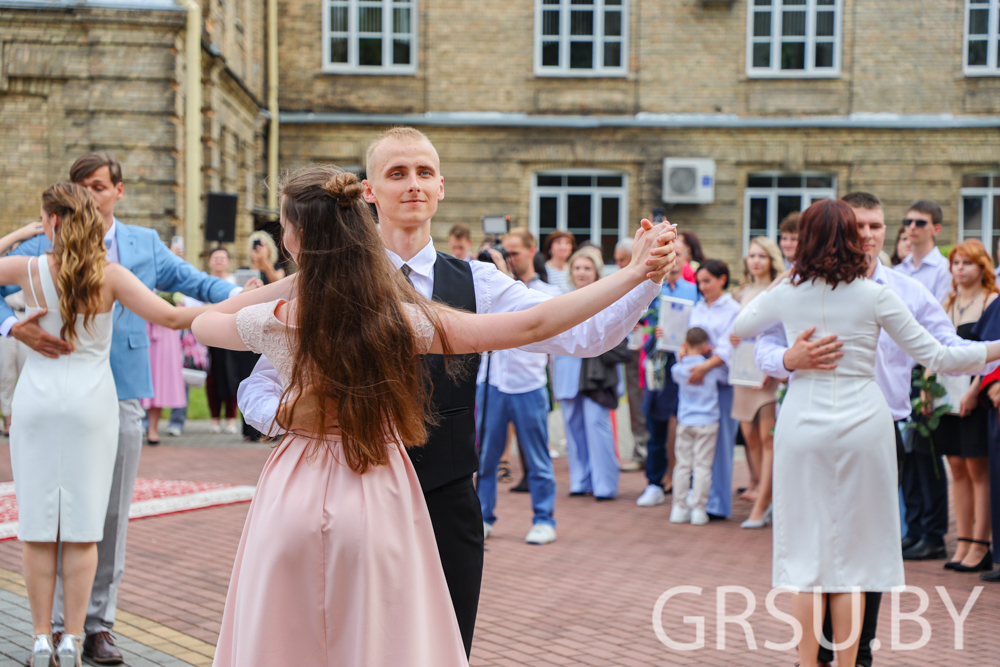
[(836, 516)]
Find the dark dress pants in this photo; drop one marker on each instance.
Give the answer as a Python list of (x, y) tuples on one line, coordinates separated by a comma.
[(993, 429), (656, 451), (458, 530), (925, 495)]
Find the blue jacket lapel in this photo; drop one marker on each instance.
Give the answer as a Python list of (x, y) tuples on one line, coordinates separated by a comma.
[(126, 244)]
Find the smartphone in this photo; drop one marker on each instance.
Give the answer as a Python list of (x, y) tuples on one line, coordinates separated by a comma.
[(177, 242), (257, 243)]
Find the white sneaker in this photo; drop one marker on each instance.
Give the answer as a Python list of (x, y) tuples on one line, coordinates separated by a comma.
[(174, 431), (651, 497), (487, 530), (680, 514), (699, 517), (541, 533), (215, 428), (232, 429)]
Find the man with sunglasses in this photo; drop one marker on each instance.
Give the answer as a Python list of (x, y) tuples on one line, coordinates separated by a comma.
[(925, 263)]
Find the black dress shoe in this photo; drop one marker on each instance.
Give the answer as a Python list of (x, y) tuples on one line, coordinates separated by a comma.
[(984, 565), (992, 577), (924, 550), (908, 542)]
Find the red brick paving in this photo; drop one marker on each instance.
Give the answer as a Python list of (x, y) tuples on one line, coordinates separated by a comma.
[(587, 599)]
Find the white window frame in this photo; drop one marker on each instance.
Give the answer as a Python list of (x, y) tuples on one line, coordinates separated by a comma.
[(352, 66), (992, 66), (988, 195), (772, 194), (562, 222), (810, 71), (565, 38)]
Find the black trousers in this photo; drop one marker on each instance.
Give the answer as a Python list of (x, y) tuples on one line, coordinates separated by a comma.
[(458, 530), (993, 429), (925, 495)]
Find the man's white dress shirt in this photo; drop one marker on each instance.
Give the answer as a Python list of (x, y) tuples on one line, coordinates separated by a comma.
[(260, 394), (933, 273)]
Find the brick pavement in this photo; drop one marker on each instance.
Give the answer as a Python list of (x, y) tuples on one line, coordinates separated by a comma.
[(587, 599)]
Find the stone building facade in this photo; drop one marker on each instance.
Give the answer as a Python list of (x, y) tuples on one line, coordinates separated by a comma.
[(82, 76), (561, 113)]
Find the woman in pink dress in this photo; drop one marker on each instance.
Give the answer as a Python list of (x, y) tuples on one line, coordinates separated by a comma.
[(166, 360), (338, 564)]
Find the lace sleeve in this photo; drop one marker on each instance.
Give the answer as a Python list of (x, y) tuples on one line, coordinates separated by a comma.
[(251, 323), (422, 327)]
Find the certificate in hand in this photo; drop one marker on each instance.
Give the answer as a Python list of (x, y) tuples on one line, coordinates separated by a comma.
[(743, 371), (956, 386), (674, 316)]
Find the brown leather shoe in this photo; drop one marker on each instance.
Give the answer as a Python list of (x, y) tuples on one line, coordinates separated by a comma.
[(100, 648)]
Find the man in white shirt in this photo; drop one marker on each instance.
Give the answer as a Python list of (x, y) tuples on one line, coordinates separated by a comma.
[(515, 392), (892, 365), (925, 263), (405, 185)]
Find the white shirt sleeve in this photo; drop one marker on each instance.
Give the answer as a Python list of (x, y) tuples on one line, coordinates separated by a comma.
[(498, 293), (7, 325), (259, 397), (769, 353)]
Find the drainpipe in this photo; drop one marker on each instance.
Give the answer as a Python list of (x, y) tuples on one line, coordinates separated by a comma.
[(272, 104), (192, 132)]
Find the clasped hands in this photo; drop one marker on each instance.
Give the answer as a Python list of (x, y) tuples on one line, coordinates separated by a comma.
[(653, 249)]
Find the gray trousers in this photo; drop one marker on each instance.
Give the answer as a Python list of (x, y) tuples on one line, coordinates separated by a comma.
[(111, 550), (637, 419)]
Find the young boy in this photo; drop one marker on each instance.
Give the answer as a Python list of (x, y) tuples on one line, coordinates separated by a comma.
[(697, 429)]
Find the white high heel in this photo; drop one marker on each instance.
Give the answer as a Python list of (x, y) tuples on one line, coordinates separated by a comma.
[(70, 651), (41, 651), (763, 523)]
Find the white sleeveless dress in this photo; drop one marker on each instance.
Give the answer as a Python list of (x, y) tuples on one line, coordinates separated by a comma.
[(64, 434)]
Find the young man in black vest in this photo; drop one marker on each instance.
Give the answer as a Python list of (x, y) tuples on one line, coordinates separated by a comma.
[(405, 185)]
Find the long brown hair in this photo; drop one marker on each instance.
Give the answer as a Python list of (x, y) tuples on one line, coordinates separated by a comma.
[(78, 247), (829, 245), (356, 352), (975, 251)]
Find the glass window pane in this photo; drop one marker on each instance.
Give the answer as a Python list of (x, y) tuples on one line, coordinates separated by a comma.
[(370, 51), (550, 54), (609, 181), (578, 216), (581, 2), (548, 208), (762, 24), (580, 181), (616, 3), (581, 23), (612, 24), (401, 52), (338, 50), (789, 181), (977, 52), (758, 217), (370, 19), (609, 214), (825, 2), (762, 3), (824, 24), (581, 55), (793, 55), (612, 54), (979, 21), (793, 24), (788, 204), (788, 3), (401, 21), (813, 200), (550, 2), (549, 179), (762, 54), (338, 19), (996, 218), (974, 181), (759, 181), (819, 181), (972, 216), (550, 22), (824, 54)]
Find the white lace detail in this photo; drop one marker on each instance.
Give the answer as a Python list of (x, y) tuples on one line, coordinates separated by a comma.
[(422, 327), (265, 334)]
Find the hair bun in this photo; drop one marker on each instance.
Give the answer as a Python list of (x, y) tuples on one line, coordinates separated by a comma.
[(345, 188)]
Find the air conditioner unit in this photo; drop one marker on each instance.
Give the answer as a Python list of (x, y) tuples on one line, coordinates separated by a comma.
[(689, 180)]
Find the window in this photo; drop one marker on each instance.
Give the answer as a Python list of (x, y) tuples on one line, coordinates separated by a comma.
[(793, 38), (581, 37), (979, 210), (593, 206), (981, 52), (769, 197), (370, 36)]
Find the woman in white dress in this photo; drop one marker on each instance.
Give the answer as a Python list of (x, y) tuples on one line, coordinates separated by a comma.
[(836, 516), (65, 438)]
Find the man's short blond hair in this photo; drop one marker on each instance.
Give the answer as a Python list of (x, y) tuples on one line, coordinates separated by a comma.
[(522, 233), (400, 134)]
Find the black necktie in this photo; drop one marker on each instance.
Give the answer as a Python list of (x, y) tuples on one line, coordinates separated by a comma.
[(405, 270)]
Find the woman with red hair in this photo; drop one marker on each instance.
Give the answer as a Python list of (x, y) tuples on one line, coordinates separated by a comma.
[(836, 517), (963, 437)]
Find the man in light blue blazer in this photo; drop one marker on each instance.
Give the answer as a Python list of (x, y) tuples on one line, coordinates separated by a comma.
[(141, 251)]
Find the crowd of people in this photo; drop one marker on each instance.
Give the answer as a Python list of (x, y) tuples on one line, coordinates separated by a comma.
[(824, 319)]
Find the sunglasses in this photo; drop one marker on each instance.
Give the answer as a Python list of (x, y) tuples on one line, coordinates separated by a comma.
[(910, 221)]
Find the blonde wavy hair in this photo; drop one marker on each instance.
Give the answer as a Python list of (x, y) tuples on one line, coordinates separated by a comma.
[(78, 246), (591, 253), (268, 241), (773, 252)]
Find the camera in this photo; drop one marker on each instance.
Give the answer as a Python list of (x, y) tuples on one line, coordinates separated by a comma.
[(494, 227)]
